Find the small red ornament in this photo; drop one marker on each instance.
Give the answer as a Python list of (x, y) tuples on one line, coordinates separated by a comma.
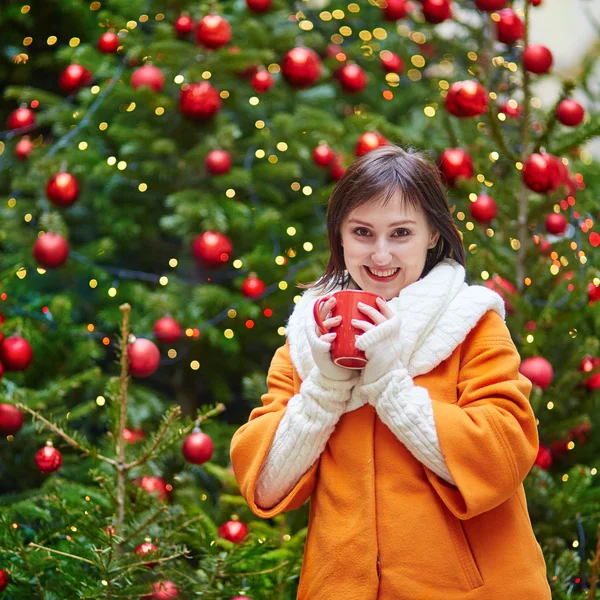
[(456, 163), (336, 169), (218, 162), (484, 209), (108, 42), (395, 9), (73, 78), (184, 25), (391, 62), (11, 419), (253, 287), (352, 78), (16, 353), (593, 292), (556, 223), (148, 76), (544, 458), (588, 365), (505, 289), (234, 531), (369, 141), (21, 117), (262, 81), (213, 32), (323, 155), (509, 28), (541, 173), (545, 246), (133, 436), (537, 59), (155, 485), (212, 249), (570, 113), (535, 2), (511, 109), (436, 11), (197, 448), (167, 330), (147, 547), (301, 67), (259, 6), (62, 189), (490, 5), (3, 580), (48, 459), (199, 101), (538, 370), (144, 357), (51, 250), (466, 99), (23, 148), (164, 590)]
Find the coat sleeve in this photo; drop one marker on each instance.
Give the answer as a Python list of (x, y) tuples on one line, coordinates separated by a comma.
[(489, 438)]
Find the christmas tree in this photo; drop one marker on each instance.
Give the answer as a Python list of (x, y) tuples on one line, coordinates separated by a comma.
[(165, 173)]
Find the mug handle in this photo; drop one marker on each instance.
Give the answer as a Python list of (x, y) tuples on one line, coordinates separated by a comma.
[(317, 314)]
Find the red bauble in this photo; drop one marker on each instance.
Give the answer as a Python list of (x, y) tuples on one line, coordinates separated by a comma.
[(23, 147), (490, 5), (144, 357), (505, 289), (391, 62), (588, 365), (544, 458), (155, 485), (436, 11), (218, 162), (484, 209), (538, 370), (108, 42), (133, 436), (352, 78), (62, 189), (212, 249), (593, 292), (3, 580), (167, 330), (466, 99), (259, 6), (143, 550), (262, 81), (199, 101), (197, 448), (556, 223), (148, 76), (234, 531), (73, 78), (16, 353), (184, 25), (541, 173), (301, 67), (323, 155), (11, 419), (164, 590), (511, 109), (537, 59), (48, 459), (21, 117), (336, 169), (570, 113), (509, 28), (253, 287), (456, 163), (213, 31), (535, 2), (369, 141), (395, 9), (51, 250)]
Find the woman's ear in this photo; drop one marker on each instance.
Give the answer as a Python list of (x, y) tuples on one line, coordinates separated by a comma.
[(433, 239)]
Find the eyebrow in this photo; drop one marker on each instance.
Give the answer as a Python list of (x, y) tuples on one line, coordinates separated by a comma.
[(405, 222)]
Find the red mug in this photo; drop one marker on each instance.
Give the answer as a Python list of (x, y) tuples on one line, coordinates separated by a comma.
[(344, 353)]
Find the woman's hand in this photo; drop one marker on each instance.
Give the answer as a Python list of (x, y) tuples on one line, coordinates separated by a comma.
[(377, 316)]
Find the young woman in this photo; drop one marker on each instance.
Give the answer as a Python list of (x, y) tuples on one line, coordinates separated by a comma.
[(413, 465)]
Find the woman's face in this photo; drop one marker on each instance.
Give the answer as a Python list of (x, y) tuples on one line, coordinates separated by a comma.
[(390, 241)]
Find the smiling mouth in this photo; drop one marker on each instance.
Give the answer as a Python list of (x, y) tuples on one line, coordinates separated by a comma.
[(393, 274)]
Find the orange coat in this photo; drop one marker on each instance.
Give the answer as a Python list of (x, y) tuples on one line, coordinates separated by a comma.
[(382, 526)]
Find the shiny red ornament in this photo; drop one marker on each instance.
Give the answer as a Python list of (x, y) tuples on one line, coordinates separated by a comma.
[(570, 113), (23, 148), (545, 247), (184, 25), (108, 42), (234, 531), (323, 155), (167, 330), (62, 189), (436, 11), (352, 78), (253, 287), (301, 67), (213, 31), (51, 250), (490, 5), (556, 223), (537, 59), (336, 168), (466, 99), (143, 550), (11, 419), (133, 436), (395, 9), (541, 173), (259, 6), (544, 458), (212, 249), (48, 459), (593, 292), (155, 485), (538, 370), (199, 101), (144, 357), (391, 62), (509, 27), (4, 579), (73, 78), (218, 162), (484, 209), (505, 289), (164, 590), (588, 365), (262, 81), (511, 109), (148, 76), (456, 163), (369, 141), (16, 353), (535, 2), (21, 117), (197, 448)]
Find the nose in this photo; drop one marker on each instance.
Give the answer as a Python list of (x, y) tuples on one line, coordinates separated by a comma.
[(381, 256)]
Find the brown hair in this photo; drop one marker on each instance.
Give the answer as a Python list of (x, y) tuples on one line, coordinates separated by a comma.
[(376, 176)]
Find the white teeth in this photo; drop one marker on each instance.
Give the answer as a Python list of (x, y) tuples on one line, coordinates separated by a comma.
[(383, 273)]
